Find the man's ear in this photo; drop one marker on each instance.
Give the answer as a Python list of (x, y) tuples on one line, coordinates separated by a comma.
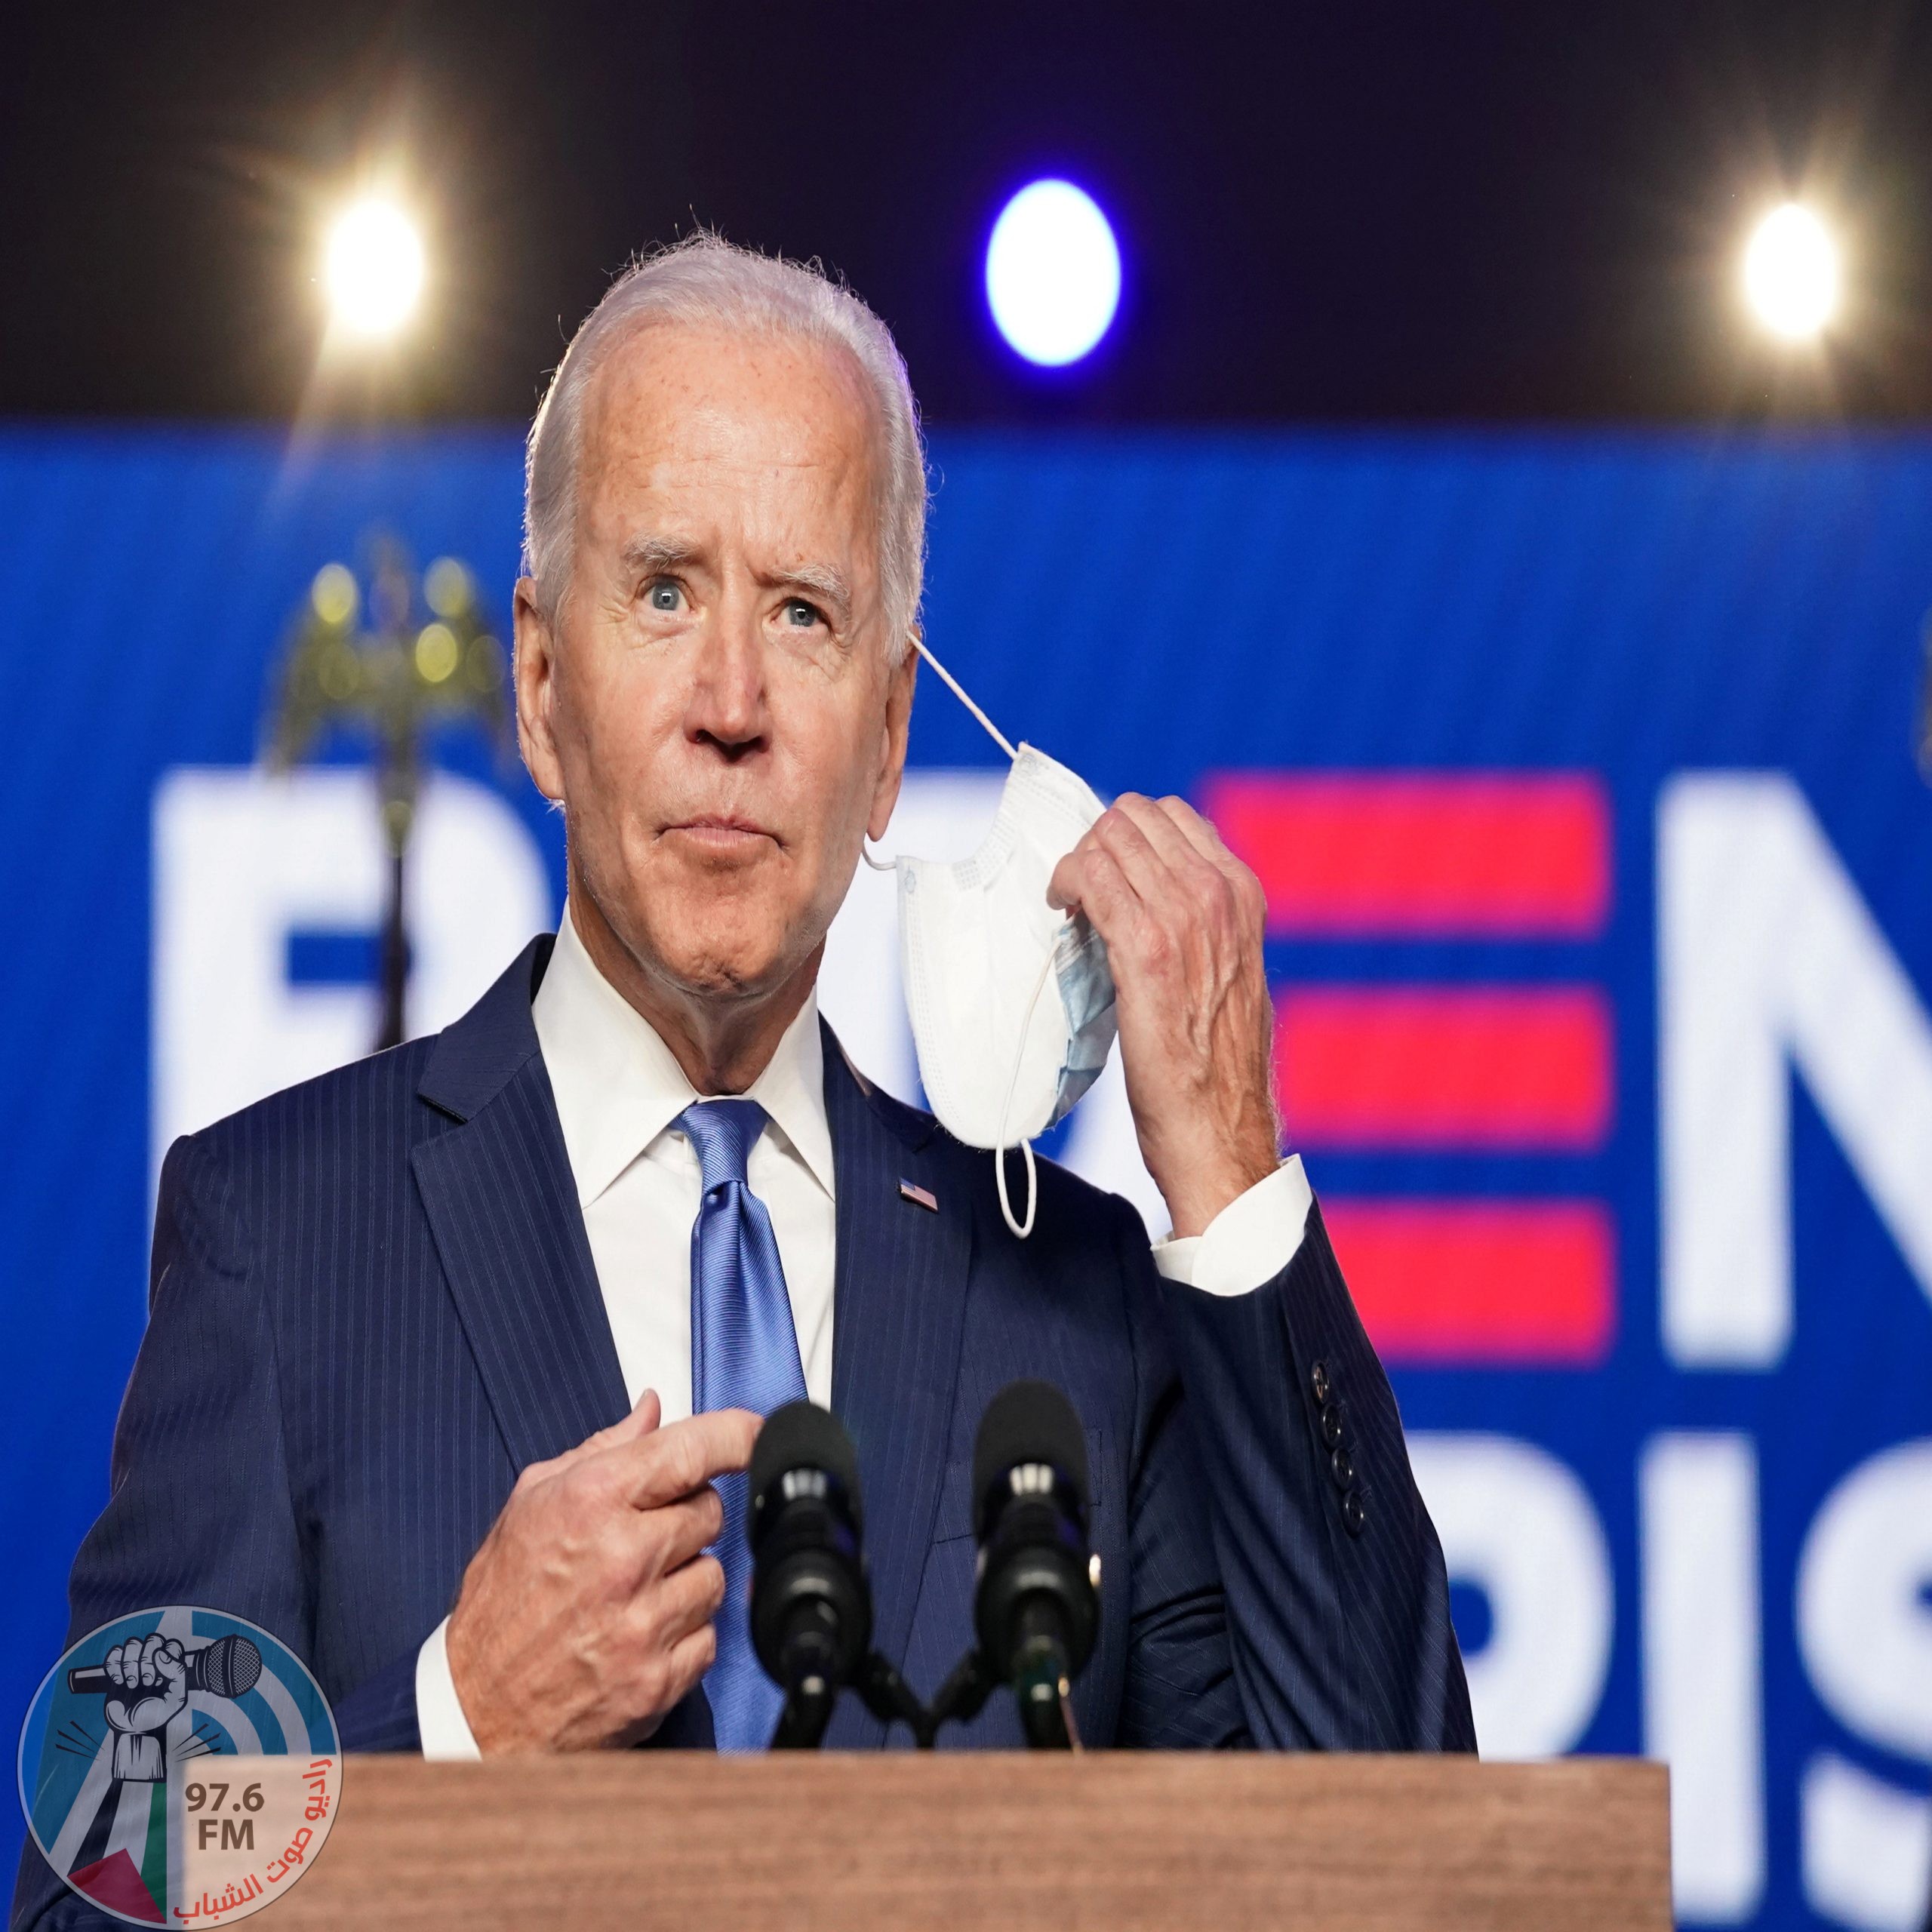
[(898, 729), (533, 668)]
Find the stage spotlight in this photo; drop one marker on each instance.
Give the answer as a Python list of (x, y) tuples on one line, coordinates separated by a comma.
[(373, 267), (1053, 273), (1791, 272)]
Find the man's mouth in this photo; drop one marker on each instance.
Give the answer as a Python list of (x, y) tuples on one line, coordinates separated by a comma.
[(722, 832)]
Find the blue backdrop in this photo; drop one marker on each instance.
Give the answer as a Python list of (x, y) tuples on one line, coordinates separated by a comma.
[(1631, 612)]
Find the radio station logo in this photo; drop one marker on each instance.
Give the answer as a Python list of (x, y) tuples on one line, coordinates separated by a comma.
[(180, 1767)]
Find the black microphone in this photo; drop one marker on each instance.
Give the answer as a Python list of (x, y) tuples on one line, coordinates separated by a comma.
[(227, 1668), (1037, 1609), (811, 1613)]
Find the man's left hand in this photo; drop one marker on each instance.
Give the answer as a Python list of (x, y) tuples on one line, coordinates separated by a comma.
[(1182, 917)]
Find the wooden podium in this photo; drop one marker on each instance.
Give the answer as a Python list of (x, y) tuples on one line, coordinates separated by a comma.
[(1109, 1840)]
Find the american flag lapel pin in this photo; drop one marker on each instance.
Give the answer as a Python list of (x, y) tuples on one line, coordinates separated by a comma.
[(920, 1197)]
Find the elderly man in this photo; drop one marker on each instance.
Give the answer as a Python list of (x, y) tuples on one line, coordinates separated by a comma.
[(431, 1388)]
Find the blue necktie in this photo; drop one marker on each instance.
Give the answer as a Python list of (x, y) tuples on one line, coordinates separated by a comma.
[(744, 1355)]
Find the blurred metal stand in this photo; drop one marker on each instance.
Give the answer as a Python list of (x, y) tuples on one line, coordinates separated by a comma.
[(417, 664)]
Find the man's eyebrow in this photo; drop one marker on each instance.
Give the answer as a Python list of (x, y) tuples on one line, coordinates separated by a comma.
[(648, 554), (822, 580)]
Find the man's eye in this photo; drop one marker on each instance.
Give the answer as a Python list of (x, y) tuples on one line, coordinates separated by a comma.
[(800, 614), (665, 596)]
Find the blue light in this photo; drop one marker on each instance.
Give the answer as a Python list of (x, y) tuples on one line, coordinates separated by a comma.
[(1053, 273)]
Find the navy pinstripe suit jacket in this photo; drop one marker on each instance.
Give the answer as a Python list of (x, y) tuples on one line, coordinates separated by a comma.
[(373, 1302)]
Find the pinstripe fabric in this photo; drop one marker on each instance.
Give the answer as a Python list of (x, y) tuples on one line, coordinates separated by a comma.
[(1341, 1638), (373, 1301)]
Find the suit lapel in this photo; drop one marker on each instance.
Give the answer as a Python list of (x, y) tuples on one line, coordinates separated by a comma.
[(502, 1208), (900, 1281)]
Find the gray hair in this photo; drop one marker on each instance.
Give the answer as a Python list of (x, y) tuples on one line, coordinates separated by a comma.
[(705, 280)]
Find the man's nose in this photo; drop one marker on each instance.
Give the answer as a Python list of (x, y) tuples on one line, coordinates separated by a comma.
[(727, 706)]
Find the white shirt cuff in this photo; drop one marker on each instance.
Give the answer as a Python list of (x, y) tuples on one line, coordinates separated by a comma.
[(1249, 1242), (439, 1718)]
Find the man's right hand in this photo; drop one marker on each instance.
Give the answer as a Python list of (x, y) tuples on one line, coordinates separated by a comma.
[(587, 1613)]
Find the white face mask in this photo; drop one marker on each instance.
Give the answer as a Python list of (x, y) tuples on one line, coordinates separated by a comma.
[(1002, 1059)]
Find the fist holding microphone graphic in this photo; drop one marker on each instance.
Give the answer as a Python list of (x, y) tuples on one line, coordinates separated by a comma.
[(146, 1681)]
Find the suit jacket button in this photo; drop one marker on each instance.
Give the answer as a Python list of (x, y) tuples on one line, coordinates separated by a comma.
[(1318, 1381), (1331, 1425), (1353, 1520), (1342, 1467)]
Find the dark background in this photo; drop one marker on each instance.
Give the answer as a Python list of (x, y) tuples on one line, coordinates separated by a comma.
[(1382, 209)]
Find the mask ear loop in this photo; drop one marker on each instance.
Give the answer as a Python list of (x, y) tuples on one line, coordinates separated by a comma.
[(952, 684), (1021, 1229), (993, 731)]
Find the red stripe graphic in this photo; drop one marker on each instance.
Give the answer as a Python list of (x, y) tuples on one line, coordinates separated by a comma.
[(1492, 855), (1439, 1067), (1496, 1282)]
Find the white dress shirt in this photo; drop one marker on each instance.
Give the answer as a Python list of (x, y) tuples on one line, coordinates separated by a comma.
[(619, 1092)]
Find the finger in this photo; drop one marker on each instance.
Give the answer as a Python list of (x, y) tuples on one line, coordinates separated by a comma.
[(1063, 888), (685, 1600), (1089, 880), (150, 1677), (1211, 877), (1156, 823), (673, 1462), (1175, 817), (1104, 872), (1199, 832), (113, 1666), (642, 1420), (1073, 882), (673, 1532), (1161, 862), (1202, 834), (690, 1657)]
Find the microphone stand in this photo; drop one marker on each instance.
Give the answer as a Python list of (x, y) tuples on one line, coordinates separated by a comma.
[(963, 1695), (808, 1706), (1042, 1681), (1046, 1707), (810, 1699), (887, 1695), (1040, 1686)]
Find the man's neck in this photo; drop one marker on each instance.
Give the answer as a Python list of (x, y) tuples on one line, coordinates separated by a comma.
[(721, 1047)]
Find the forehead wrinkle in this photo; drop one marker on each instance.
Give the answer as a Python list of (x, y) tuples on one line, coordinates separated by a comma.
[(639, 366), (653, 429)]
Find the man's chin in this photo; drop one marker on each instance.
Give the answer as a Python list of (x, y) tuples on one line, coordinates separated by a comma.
[(718, 945)]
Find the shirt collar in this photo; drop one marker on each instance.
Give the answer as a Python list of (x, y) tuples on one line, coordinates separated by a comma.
[(618, 1086)]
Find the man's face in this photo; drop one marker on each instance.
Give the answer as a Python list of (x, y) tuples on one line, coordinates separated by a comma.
[(713, 701)]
